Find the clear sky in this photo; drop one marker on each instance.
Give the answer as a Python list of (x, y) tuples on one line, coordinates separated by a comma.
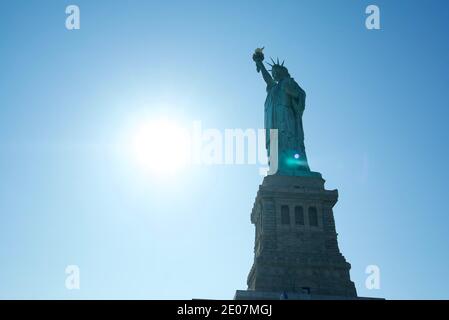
[(71, 194)]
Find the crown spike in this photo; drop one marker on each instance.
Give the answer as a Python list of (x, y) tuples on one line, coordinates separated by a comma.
[(277, 60), (272, 60), (282, 64)]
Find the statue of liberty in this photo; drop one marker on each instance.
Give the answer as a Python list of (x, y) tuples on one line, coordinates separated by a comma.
[(284, 107)]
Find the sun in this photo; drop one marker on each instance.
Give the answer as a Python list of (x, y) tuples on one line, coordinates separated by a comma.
[(161, 146)]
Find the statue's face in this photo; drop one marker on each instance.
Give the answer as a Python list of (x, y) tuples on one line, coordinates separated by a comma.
[(276, 74)]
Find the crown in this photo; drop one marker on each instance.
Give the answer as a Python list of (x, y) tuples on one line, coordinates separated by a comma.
[(276, 64)]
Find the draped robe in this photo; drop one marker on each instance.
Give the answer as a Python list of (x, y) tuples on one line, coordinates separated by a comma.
[(284, 113)]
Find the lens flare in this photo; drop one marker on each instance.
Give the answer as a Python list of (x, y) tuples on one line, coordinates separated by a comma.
[(161, 146)]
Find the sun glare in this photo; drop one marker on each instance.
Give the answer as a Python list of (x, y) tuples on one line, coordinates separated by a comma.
[(161, 146)]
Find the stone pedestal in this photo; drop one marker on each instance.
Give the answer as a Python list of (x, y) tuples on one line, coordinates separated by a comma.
[(296, 251)]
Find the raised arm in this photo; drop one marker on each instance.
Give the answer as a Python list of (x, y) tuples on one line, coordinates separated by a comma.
[(265, 74), (258, 59)]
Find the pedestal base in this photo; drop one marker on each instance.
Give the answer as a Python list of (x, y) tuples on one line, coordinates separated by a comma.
[(296, 248), (272, 295)]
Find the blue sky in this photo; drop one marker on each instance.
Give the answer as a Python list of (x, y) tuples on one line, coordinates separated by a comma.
[(375, 126)]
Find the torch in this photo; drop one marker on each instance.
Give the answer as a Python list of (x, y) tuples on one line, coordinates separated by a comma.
[(258, 57)]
